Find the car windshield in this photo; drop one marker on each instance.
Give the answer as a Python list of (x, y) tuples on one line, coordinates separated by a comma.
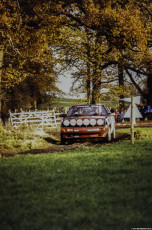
[(87, 111)]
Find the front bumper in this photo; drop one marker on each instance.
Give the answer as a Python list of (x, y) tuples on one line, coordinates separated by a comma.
[(84, 132)]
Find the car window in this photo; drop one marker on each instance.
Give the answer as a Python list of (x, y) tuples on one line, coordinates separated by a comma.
[(87, 111)]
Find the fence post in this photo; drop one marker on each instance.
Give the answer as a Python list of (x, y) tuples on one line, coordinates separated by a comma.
[(54, 117), (132, 120)]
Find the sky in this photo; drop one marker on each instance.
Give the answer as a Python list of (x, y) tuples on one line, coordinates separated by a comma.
[(65, 83)]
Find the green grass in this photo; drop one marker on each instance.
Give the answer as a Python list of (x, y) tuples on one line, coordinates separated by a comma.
[(14, 140), (100, 187), (68, 102)]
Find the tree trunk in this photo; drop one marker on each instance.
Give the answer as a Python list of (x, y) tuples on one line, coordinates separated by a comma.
[(1, 64), (96, 78), (96, 90), (88, 83), (121, 76), (148, 96), (121, 83), (35, 103)]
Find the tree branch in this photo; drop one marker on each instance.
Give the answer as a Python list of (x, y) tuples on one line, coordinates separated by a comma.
[(134, 83), (107, 64), (137, 71)]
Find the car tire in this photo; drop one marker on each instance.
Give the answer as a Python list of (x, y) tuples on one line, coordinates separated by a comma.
[(114, 133), (63, 141), (109, 135)]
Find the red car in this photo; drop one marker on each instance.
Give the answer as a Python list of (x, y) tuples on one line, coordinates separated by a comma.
[(87, 121)]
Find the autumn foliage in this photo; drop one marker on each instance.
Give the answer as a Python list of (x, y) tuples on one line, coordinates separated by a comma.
[(106, 43)]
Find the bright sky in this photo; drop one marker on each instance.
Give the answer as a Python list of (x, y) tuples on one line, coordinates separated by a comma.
[(65, 83)]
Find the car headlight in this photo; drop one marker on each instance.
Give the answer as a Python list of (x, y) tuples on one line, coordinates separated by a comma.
[(73, 122), (100, 121), (79, 122), (66, 122), (86, 122), (92, 121)]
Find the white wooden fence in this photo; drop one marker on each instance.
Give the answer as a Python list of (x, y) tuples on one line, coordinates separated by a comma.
[(38, 118)]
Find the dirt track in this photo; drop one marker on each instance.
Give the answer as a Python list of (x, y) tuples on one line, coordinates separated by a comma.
[(57, 147)]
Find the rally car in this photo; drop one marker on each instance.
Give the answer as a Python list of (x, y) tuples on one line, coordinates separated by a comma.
[(87, 121)]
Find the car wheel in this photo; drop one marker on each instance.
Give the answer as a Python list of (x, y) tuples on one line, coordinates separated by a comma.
[(63, 141), (71, 141), (109, 135), (114, 133)]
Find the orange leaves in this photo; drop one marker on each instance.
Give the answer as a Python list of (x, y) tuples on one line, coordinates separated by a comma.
[(117, 91), (89, 34), (92, 13), (13, 76), (125, 25)]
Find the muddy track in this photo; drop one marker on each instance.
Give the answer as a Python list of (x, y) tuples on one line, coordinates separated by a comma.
[(57, 147)]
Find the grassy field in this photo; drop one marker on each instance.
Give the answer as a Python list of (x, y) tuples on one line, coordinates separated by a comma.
[(13, 141), (68, 102), (92, 188)]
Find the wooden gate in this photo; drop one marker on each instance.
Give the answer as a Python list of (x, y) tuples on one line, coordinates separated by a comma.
[(40, 118)]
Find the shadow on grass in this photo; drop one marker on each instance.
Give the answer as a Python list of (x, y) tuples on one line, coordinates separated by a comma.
[(51, 140)]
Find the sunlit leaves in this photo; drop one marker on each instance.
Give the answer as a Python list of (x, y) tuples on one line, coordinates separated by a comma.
[(88, 35), (118, 31), (27, 31)]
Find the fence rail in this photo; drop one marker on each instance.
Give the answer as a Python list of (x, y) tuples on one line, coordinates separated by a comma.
[(38, 118)]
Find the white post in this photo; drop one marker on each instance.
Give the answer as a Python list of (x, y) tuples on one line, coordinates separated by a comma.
[(55, 118), (132, 120)]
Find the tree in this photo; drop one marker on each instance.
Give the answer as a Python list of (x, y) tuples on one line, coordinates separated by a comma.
[(123, 27), (96, 37), (27, 32)]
